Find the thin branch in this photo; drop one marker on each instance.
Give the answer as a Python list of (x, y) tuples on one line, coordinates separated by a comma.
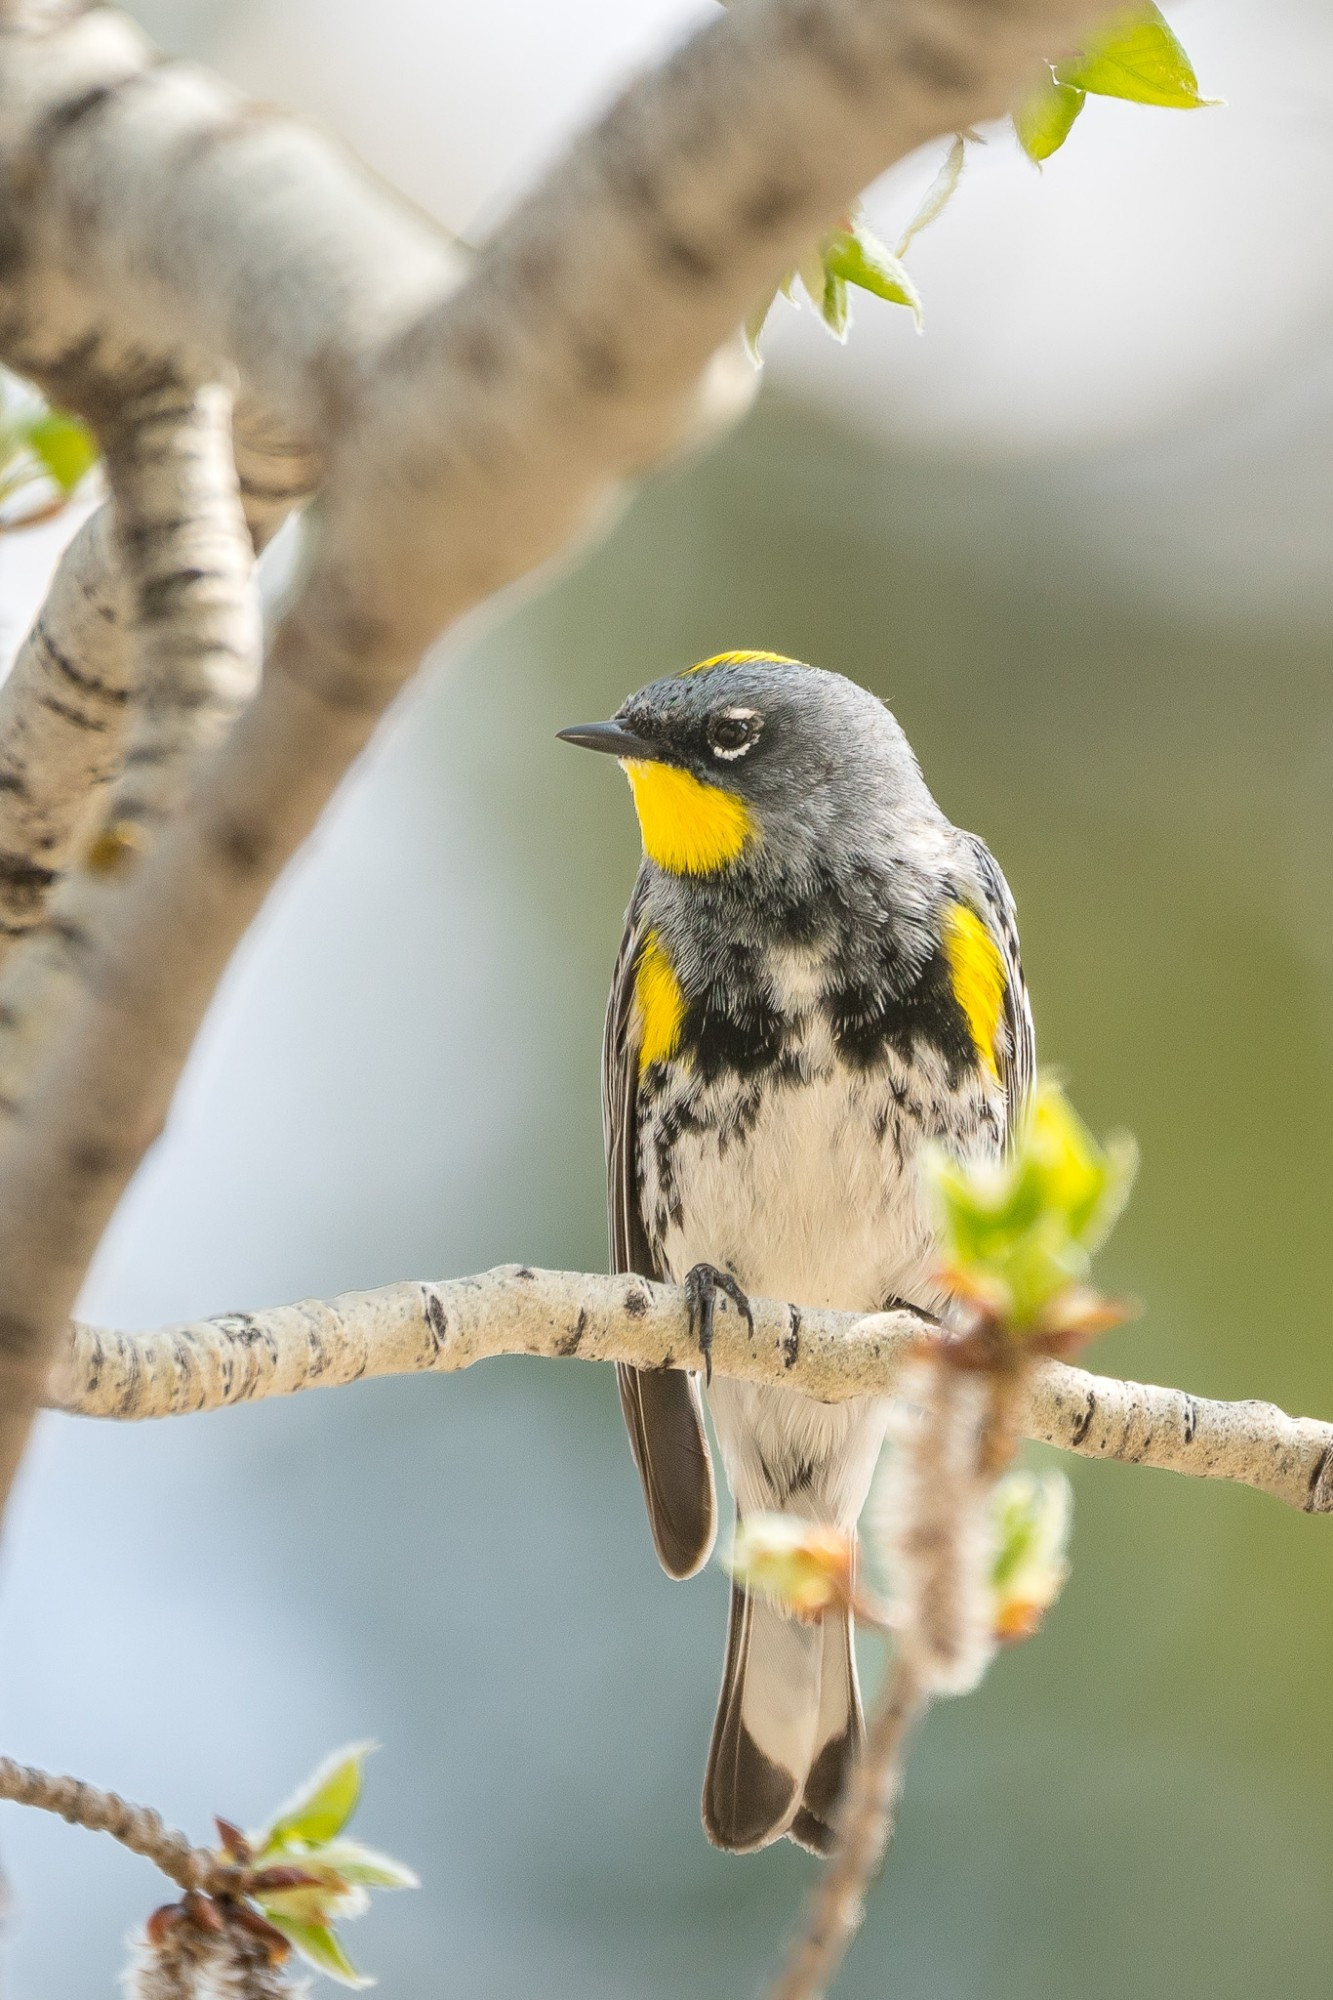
[(411, 1329), (136, 1827), (865, 1827)]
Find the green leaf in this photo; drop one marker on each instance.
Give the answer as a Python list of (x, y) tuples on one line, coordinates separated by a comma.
[(1021, 1232), (1044, 120), (1135, 55), (320, 1946), (64, 448), (322, 1806), (938, 195), (366, 1867), (833, 309), (855, 257), (332, 1900)]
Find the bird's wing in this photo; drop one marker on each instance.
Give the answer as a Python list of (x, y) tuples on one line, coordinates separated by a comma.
[(663, 1410), (1017, 1059)]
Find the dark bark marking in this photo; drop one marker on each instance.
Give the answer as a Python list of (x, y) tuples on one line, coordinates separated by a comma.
[(437, 1319), (574, 1339), (791, 1344), (1191, 1419), (241, 849), (1084, 1424), (1317, 1477), (768, 206), (939, 68), (24, 877), (92, 725), (89, 683), (636, 1301)]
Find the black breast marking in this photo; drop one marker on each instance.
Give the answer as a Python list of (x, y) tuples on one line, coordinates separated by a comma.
[(869, 1015)]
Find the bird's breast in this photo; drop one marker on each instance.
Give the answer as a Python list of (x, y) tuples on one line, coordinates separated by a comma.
[(798, 1171)]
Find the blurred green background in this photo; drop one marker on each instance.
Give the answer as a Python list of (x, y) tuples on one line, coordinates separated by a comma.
[(1078, 538)]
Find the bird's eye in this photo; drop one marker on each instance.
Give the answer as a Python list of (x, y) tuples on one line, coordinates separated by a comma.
[(731, 733)]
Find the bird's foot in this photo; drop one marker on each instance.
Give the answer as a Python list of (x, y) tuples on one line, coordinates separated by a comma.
[(702, 1285)]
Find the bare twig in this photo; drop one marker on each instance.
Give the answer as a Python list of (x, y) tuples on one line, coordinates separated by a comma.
[(414, 1328), (865, 1826), (136, 1827)]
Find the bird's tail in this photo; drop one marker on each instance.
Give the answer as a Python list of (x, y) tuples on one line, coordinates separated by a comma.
[(788, 1725)]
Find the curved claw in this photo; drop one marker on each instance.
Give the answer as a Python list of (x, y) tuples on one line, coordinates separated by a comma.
[(702, 1285)]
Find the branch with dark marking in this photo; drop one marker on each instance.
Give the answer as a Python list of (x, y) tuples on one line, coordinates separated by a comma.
[(436, 1328), (191, 623), (64, 705)]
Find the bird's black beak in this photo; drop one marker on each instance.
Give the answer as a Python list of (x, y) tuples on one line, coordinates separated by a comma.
[(613, 737)]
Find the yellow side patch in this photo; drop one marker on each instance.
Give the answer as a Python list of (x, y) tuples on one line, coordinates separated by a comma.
[(660, 1002), (978, 979), (738, 660), (688, 828)]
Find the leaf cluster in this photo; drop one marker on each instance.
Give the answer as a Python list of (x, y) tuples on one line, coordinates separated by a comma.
[(1020, 1233), (1135, 55), (332, 1875)]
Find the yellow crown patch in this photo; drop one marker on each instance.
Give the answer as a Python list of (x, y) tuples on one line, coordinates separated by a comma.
[(739, 660)]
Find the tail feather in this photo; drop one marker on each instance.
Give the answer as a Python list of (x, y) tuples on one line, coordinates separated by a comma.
[(787, 1720), (839, 1737)]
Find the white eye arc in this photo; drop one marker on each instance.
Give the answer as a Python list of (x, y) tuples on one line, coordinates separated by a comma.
[(732, 732)]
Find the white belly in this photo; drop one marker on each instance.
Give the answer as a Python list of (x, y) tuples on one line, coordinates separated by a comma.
[(810, 1191)]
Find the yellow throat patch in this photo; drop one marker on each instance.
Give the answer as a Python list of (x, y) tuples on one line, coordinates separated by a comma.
[(688, 828), (978, 979), (660, 1002)]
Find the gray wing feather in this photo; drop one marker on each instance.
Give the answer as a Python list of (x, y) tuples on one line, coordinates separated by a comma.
[(1018, 1057), (662, 1409)]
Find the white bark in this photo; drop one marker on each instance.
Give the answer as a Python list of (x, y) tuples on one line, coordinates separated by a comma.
[(64, 705), (436, 1328), (62, 716), (192, 628)]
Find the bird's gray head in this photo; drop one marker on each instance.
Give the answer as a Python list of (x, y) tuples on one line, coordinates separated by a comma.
[(756, 757)]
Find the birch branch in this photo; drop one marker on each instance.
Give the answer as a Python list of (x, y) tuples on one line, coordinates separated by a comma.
[(65, 702), (471, 435), (193, 624), (437, 1328), (62, 715)]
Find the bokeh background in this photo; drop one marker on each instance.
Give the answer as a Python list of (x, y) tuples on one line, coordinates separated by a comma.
[(1077, 534)]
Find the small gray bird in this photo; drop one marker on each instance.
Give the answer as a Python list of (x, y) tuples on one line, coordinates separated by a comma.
[(819, 973)]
